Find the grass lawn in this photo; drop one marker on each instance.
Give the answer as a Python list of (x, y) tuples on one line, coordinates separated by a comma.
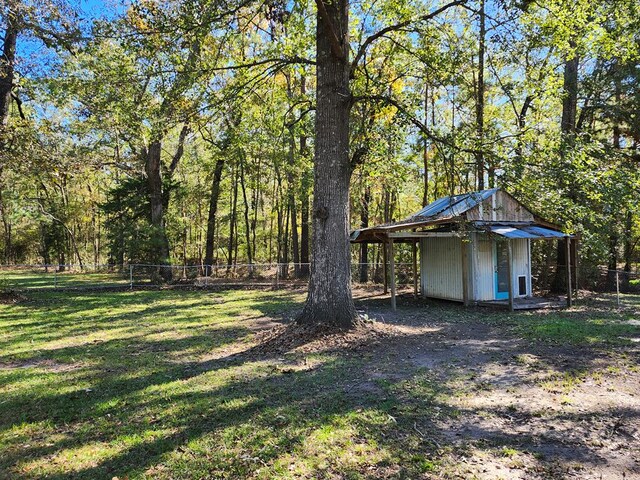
[(165, 384), (39, 279)]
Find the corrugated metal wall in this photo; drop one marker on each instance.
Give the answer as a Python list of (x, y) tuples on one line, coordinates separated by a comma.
[(441, 267), (520, 263), (483, 268)]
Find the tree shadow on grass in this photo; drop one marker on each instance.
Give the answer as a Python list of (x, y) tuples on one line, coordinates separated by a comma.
[(56, 317), (283, 409), (229, 416)]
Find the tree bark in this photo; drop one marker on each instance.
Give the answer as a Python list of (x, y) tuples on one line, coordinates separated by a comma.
[(160, 254), (247, 223), (304, 201), (304, 229), (570, 98), (480, 101), (425, 153), (233, 219), (211, 219), (291, 199), (7, 66), (568, 129), (329, 300)]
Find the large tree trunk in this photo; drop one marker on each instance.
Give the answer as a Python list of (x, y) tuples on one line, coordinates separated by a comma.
[(568, 128), (425, 152), (7, 67), (480, 102), (160, 255), (570, 98), (304, 203), (329, 300), (211, 219)]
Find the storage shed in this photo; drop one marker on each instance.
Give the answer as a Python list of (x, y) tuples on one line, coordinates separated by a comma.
[(474, 248)]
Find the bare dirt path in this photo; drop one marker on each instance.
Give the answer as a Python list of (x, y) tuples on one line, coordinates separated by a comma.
[(516, 406)]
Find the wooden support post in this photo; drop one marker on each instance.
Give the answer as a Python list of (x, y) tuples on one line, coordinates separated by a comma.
[(510, 273), (574, 262), (385, 272), (569, 296), (415, 269), (392, 275), (465, 271)]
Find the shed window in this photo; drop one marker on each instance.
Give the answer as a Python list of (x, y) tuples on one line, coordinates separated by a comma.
[(522, 285)]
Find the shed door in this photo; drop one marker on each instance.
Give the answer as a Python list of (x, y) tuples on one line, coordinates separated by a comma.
[(501, 270)]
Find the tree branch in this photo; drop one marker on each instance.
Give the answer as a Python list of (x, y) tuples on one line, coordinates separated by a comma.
[(398, 26), (180, 150), (336, 47), (16, 98), (415, 121)]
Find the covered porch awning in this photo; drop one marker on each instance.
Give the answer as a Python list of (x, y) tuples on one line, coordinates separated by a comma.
[(527, 231)]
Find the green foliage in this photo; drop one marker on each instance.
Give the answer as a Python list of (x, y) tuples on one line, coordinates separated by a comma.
[(146, 73), (130, 235)]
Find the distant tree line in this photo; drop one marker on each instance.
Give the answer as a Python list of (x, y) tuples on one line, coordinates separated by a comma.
[(184, 131)]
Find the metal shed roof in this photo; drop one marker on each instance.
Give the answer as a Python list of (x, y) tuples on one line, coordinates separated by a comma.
[(454, 205), (442, 210), (447, 211), (526, 231)]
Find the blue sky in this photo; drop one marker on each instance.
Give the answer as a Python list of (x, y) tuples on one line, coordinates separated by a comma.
[(32, 53), (90, 9)]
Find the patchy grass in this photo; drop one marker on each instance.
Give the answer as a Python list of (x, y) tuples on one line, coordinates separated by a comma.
[(145, 384), (158, 384), (39, 279), (579, 331)]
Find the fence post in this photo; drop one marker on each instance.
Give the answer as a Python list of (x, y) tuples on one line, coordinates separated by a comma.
[(130, 277), (618, 287), (55, 277)]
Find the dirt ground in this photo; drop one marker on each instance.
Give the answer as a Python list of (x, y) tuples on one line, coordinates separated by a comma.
[(549, 410), (516, 407)]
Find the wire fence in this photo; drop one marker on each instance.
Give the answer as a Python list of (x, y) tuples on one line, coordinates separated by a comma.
[(105, 276), (622, 285), (614, 287)]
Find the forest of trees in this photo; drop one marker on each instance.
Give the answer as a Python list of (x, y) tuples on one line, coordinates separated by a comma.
[(184, 131)]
